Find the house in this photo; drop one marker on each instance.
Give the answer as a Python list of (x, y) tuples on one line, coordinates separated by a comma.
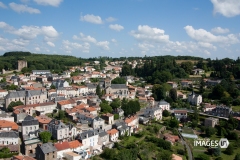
[(29, 144), (122, 128), (172, 84), (9, 137), (207, 108), (186, 83), (153, 112), (29, 125), (3, 93), (46, 151), (109, 118), (41, 72), (75, 145), (171, 138), (180, 114), (74, 156), (103, 138), (43, 121), (8, 126), (22, 157), (221, 111), (58, 129), (98, 123), (210, 82), (181, 95), (176, 157), (88, 138), (211, 122), (61, 148), (113, 135), (66, 104), (26, 96), (198, 71), (133, 122), (59, 83), (194, 99), (164, 105), (119, 112), (120, 90)]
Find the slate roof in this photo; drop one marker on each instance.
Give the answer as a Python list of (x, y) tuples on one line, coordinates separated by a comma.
[(91, 86), (9, 135), (28, 93), (162, 102), (29, 120), (58, 124), (48, 148), (89, 133), (119, 86), (102, 134)]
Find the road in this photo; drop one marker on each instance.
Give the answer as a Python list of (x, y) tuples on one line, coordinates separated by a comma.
[(190, 156)]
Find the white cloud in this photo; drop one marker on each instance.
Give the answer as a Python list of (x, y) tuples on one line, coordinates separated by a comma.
[(91, 19), (2, 5), (31, 32), (20, 42), (205, 36), (206, 52), (103, 45), (69, 46), (114, 40), (207, 45), (116, 27), (146, 33), (228, 8), (220, 30), (20, 8), (54, 3), (25, 1), (51, 44), (145, 46), (87, 38), (37, 49), (110, 19)]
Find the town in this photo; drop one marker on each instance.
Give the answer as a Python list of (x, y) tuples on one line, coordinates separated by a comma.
[(86, 112)]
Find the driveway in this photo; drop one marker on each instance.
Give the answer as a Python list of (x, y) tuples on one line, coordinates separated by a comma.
[(190, 157)]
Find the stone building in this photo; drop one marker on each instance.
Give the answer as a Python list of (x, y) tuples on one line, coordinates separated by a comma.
[(21, 64)]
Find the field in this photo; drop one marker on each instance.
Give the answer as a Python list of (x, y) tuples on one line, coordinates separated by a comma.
[(193, 61)]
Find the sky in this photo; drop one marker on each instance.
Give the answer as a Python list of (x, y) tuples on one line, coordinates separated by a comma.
[(121, 28)]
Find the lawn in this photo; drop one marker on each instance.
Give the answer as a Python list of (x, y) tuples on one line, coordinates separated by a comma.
[(236, 108), (187, 130)]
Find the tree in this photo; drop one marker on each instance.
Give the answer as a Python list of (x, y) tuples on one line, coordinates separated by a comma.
[(116, 103), (13, 104), (187, 66), (173, 123), (173, 94), (194, 124), (105, 108), (45, 136), (130, 107), (52, 87), (217, 92), (230, 149), (203, 157), (118, 80), (98, 91), (61, 114), (237, 157), (165, 113), (210, 131)]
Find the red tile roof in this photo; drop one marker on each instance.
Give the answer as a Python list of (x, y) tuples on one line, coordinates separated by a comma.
[(62, 145), (8, 124), (112, 132), (75, 144)]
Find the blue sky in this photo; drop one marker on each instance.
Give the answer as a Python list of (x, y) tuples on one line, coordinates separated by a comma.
[(117, 28)]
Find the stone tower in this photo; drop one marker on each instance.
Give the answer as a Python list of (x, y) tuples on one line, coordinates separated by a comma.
[(21, 64)]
